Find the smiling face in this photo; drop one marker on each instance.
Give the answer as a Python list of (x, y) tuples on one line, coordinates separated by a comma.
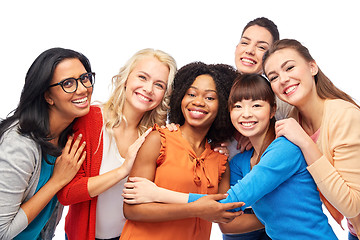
[(68, 106), (254, 42), (291, 76), (251, 117), (200, 103), (146, 85)]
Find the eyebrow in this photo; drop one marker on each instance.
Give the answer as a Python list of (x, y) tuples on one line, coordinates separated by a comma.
[(257, 41), (282, 65), (145, 73), (206, 90)]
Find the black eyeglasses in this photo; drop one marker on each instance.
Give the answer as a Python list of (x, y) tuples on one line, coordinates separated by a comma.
[(70, 85)]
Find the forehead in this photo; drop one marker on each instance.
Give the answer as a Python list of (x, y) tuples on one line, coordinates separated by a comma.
[(257, 33), (281, 56), (153, 67), (204, 82), (70, 67)]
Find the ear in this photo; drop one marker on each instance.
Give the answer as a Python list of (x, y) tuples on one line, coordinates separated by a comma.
[(314, 68), (48, 98)]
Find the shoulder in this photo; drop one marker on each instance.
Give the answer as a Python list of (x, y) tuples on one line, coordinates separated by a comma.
[(94, 119), (19, 153), (339, 107), (241, 158), (341, 114), (282, 146), (16, 141)]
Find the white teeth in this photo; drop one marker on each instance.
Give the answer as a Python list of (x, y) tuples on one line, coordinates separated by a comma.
[(80, 100), (290, 89), (143, 98), (197, 112), (247, 60), (247, 124)]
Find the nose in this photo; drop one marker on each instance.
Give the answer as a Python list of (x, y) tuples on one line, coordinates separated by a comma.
[(80, 88), (284, 77), (246, 112), (198, 101), (250, 49), (148, 87)]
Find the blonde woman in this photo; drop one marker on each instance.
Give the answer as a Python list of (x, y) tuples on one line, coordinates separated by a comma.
[(111, 131)]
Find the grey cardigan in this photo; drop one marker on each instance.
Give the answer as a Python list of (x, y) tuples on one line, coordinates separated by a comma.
[(20, 165)]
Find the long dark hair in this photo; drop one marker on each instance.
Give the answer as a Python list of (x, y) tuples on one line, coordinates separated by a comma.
[(32, 110), (223, 76), (324, 87), (255, 87)]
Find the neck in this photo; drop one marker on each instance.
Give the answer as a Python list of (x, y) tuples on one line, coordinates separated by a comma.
[(132, 116), (57, 126), (311, 114), (195, 136)]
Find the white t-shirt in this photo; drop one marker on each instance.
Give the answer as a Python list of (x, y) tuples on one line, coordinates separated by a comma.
[(110, 219)]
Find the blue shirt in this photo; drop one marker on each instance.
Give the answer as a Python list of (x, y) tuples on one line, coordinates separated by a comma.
[(281, 192), (32, 231)]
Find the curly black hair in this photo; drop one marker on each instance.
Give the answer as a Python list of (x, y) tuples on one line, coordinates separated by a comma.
[(223, 76)]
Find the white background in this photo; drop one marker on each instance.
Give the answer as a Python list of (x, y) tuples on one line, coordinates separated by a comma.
[(109, 32)]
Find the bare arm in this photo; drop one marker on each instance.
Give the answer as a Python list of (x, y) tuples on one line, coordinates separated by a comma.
[(66, 167), (101, 183), (242, 224)]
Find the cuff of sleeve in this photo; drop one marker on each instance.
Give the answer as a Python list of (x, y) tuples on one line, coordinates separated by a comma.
[(230, 199), (194, 196), (321, 169)]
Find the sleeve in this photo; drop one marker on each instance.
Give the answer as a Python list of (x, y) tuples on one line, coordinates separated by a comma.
[(162, 154), (17, 164), (337, 172), (236, 172), (279, 162), (90, 126)]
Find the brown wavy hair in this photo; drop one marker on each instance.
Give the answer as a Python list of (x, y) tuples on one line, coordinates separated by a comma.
[(324, 87)]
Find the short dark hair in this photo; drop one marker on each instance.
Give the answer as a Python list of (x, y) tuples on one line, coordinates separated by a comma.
[(265, 23), (32, 110), (223, 76), (255, 87)]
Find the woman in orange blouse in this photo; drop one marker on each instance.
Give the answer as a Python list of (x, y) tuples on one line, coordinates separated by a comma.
[(183, 160)]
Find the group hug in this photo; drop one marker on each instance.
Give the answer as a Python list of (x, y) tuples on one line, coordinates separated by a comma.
[(258, 149)]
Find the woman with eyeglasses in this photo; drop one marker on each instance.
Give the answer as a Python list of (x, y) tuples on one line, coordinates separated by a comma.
[(140, 98), (37, 156)]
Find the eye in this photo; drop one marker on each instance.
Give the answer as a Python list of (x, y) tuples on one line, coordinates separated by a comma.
[(191, 95), (273, 78), (263, 47), (257, 105), (210, 98), (244, 43), (68, 83), (160, 86), (289, 68), (85, 77), (236, 105), (142, 77)]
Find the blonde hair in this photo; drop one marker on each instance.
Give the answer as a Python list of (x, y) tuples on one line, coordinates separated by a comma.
[(113, 108)]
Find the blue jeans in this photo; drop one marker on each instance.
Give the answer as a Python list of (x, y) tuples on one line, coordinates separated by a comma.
[(352, 237), (255, 235)]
